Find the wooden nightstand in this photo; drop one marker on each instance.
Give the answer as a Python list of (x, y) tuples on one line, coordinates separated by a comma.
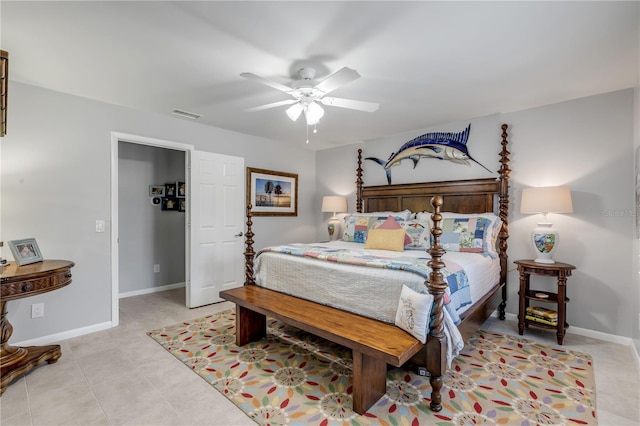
[(526, 268)]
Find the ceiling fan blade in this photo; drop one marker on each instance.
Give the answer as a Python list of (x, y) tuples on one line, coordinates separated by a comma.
[(337, 79), (270, 83), (349, 103), (272, 105)]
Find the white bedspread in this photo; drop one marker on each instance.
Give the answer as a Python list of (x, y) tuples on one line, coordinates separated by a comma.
[(371, 292)]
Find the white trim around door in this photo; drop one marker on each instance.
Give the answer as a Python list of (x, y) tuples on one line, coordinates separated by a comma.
[(141, 140)]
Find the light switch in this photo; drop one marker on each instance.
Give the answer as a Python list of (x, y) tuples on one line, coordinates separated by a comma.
[(99, 225)]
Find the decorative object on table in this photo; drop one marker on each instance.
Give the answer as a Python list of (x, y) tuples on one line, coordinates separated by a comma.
[(334, 204), (170, 203), (156, 190), (272, 193), (449, 146), (293, 377), (25, 251), (545, 200), (181, 188)]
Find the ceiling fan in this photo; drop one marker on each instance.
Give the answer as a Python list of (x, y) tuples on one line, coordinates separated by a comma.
[(308, 94)]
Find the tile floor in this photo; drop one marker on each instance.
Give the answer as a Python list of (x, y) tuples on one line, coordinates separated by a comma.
[(122, 377)]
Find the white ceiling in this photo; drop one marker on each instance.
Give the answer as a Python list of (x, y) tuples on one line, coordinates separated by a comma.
[(425, 63)]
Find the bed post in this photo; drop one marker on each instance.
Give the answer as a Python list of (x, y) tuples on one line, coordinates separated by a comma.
[(504, 215), (359, 183), (436, 341), (249, 254)]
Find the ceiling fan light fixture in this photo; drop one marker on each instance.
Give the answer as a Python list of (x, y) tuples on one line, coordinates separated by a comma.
[(313, 113), (294, 111)]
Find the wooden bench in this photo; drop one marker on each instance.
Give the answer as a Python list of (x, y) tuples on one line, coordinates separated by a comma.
[(374, 344)]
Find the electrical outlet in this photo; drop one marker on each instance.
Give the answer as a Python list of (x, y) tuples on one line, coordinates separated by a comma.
[(37, 310), (99, 225), (156, 268)]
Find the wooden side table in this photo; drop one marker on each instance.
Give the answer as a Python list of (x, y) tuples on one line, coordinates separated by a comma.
[(17, 282), (561, 271)]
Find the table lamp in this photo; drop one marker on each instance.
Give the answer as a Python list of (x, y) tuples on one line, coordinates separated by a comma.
[(550, 199), (334, 204)]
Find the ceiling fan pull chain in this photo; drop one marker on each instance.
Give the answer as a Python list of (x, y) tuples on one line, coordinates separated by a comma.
[(307, 126)]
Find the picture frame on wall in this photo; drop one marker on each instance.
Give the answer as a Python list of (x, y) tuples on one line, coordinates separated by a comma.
[(169, 204), (25, 251), (182, 204), (156, 190), (181, 189), (170, 189), (272, 193)]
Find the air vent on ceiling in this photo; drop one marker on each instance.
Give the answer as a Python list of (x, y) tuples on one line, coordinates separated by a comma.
[(185, 114)]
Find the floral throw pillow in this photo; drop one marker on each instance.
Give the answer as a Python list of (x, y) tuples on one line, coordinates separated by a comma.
[(465, 234)]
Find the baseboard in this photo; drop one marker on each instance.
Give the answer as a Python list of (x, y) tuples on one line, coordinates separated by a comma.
[(625, 341), (54, 338), (150, 290)]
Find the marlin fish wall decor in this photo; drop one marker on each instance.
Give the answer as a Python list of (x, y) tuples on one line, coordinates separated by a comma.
[(441, 145)]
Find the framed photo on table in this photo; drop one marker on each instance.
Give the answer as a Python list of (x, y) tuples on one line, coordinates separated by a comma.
[(272, 193), (25, 251)]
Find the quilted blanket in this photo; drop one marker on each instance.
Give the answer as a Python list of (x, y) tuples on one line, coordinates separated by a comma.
[(458, 293)]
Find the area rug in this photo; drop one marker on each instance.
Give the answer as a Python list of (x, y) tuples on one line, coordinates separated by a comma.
[(292, 377)]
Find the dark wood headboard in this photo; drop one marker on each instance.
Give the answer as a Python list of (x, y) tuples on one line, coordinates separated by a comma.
[(462, 196)]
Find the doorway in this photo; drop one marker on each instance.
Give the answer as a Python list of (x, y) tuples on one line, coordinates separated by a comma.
[(213, 224), (139, 141)]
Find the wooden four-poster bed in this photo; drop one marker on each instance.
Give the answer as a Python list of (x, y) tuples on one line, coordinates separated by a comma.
[(375, 343)]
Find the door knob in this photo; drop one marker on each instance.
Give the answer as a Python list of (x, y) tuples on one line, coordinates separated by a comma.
[(239, 234)]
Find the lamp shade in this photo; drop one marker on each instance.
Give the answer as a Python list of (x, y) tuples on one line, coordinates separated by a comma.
[(334, 204), (313, 113), (549, 199)]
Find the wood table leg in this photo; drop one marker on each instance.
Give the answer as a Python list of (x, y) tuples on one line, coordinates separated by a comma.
[(524, 302), (369, 381), (562, 307), (250, 326), (35, 356), (16, 361)]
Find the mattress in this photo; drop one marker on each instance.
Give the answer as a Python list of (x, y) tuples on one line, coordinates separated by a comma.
[(371, 292)]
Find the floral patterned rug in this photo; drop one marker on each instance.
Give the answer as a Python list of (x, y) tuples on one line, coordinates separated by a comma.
[(292, 377)]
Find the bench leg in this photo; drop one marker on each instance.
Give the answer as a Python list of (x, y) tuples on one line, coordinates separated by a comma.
[(369, 381), (250, 326)]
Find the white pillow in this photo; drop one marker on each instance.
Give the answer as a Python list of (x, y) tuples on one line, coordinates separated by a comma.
[(414, 310), (403, 215)]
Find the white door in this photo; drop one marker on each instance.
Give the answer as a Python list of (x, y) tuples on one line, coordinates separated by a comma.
[(215, 229)]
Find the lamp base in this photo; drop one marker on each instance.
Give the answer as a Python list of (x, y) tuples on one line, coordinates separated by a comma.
[(333, 228), (545, 241)]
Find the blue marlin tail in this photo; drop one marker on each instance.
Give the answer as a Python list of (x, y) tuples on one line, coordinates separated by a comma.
[(451, 146)]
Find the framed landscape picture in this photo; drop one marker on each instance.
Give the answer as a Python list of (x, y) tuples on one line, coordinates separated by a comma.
[(272, 193)]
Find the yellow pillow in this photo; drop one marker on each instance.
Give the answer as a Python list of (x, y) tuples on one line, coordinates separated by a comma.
[(385, 239)]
